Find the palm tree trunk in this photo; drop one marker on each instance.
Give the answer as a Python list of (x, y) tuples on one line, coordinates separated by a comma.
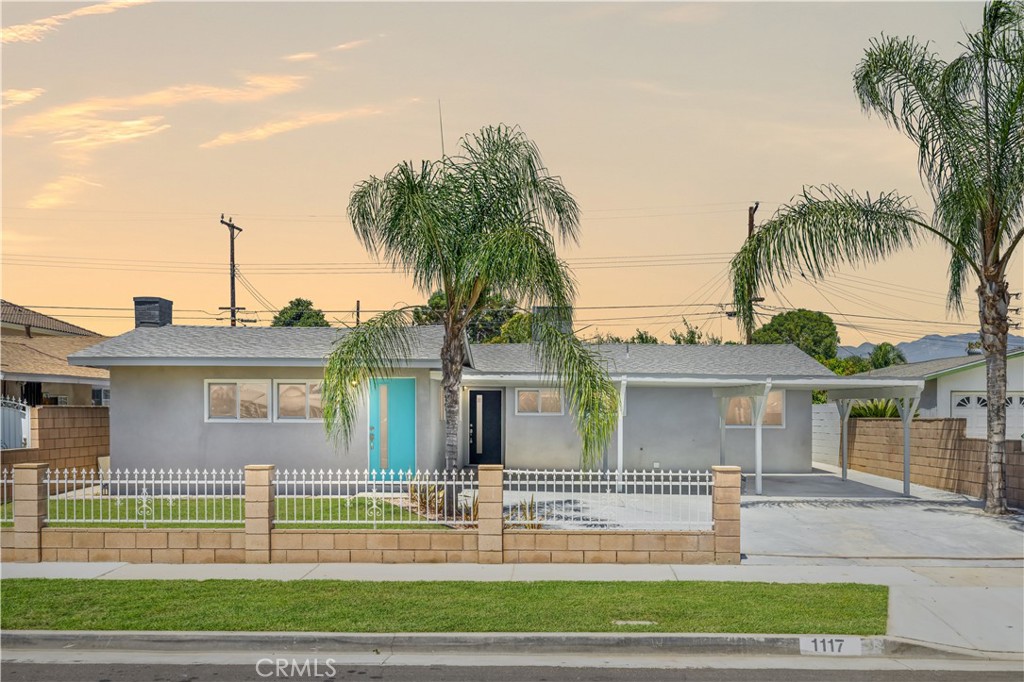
[(995, 300), (453, 354)]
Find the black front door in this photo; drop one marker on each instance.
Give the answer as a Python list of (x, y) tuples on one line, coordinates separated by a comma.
[(485, 427)]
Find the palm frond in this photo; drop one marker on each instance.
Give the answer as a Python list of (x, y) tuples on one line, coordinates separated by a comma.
[(580, 370), (815, 233), (370, 351)]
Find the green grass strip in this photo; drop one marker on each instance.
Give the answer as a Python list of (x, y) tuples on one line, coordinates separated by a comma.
[(345, 606)]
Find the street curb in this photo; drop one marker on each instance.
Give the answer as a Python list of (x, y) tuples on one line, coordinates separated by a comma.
[(462, 642)]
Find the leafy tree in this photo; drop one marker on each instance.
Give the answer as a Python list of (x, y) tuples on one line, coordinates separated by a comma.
[(693, 336), (966, 119), (599, 339), (517, 329), (844, 367), (476, 225), (485, 325), (299, 313), (885, 355), (643, 336), (812, 332)]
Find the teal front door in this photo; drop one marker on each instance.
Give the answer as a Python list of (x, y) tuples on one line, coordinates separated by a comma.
[(392, 435)]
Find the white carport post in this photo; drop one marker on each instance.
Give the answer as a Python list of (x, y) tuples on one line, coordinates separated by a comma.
[(906, 398), (758, 394), (844, 405), (723, 412), (907, 406), (759, 403)]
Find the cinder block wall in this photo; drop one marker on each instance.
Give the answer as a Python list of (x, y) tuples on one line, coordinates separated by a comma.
[(941, 455), (64, 438)]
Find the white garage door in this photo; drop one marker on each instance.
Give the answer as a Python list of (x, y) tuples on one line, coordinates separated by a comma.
[(974, 408)]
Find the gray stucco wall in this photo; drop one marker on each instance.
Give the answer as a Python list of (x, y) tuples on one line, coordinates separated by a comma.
[(157, 421), (677, 428), (929, 405)]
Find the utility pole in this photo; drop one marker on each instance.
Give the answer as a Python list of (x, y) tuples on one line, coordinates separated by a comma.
[(750, 233), (233, 231), (357, 313)]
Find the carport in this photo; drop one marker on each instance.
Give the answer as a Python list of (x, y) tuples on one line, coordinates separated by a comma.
[(844, 391)]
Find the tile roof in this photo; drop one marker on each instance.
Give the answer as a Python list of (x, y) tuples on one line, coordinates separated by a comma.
[(46, 355), (664, 359), (930, 368), (183, 343), (11, 313)]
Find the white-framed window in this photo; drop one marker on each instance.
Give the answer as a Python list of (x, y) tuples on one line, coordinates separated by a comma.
[(101, 397), (298, 400), (539, 401), (237, 400), (741, 411)]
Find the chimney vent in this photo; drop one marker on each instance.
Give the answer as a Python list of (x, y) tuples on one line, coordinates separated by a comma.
[(152, 311)]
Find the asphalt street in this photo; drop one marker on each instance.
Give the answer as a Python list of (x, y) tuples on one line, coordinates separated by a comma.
[(28, 672)]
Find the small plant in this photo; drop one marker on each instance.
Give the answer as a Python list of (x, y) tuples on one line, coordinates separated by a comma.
[(471, 511), (876, 409), (524, 515), (427, 499)]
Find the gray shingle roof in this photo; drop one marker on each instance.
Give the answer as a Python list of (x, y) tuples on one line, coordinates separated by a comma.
[(184, 343), (664, 359), (13, 313), (929, 368)]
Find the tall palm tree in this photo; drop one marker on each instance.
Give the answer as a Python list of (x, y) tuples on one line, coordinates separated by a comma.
[(474, 226), (966, 117)]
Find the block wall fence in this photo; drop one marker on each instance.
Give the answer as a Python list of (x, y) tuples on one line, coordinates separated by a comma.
[(64, 437), (490, 542), (941, 455)]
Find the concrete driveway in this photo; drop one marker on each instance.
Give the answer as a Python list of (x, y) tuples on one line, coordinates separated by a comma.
[(820, 516)]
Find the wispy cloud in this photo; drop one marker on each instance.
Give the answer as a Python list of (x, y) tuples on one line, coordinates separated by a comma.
[(37, 30), (351, 45), (88, 123), (300, 57), (298, 122), (11, 236), (60, 191), (14, 98)]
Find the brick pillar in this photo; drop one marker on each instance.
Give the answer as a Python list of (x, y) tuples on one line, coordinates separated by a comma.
[(30, 499), (725, 514), (490, 515), (259, 512)]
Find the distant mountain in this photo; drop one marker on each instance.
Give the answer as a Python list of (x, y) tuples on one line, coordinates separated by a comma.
[(929, 347)]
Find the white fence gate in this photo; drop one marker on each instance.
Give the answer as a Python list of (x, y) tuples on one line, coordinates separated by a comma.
[(15, 425), (825, 434)]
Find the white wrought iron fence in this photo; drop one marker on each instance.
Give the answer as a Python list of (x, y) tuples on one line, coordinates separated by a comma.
[(376, 499), (6, 495), (144, 498), (15, 423), (614, 500)]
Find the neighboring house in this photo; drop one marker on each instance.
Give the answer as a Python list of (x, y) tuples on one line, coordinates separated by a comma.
[(16, 320), (213, 397), (955, 387), (36, 371)]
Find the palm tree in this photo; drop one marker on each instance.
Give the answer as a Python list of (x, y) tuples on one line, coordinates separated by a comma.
[(885, 355), (966, 117), (475, 226)]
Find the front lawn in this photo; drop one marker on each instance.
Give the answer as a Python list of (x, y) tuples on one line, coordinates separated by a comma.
[(170, 512), (337, 606)]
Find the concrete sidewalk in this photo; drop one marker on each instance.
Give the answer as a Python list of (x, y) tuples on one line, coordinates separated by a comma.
[(977, 607)]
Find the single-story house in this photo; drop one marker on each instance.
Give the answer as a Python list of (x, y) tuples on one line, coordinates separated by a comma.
[(956, 387), (219, 397), (35, 369)]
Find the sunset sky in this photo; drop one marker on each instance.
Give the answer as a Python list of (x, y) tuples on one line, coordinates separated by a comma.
[(129, 127)]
